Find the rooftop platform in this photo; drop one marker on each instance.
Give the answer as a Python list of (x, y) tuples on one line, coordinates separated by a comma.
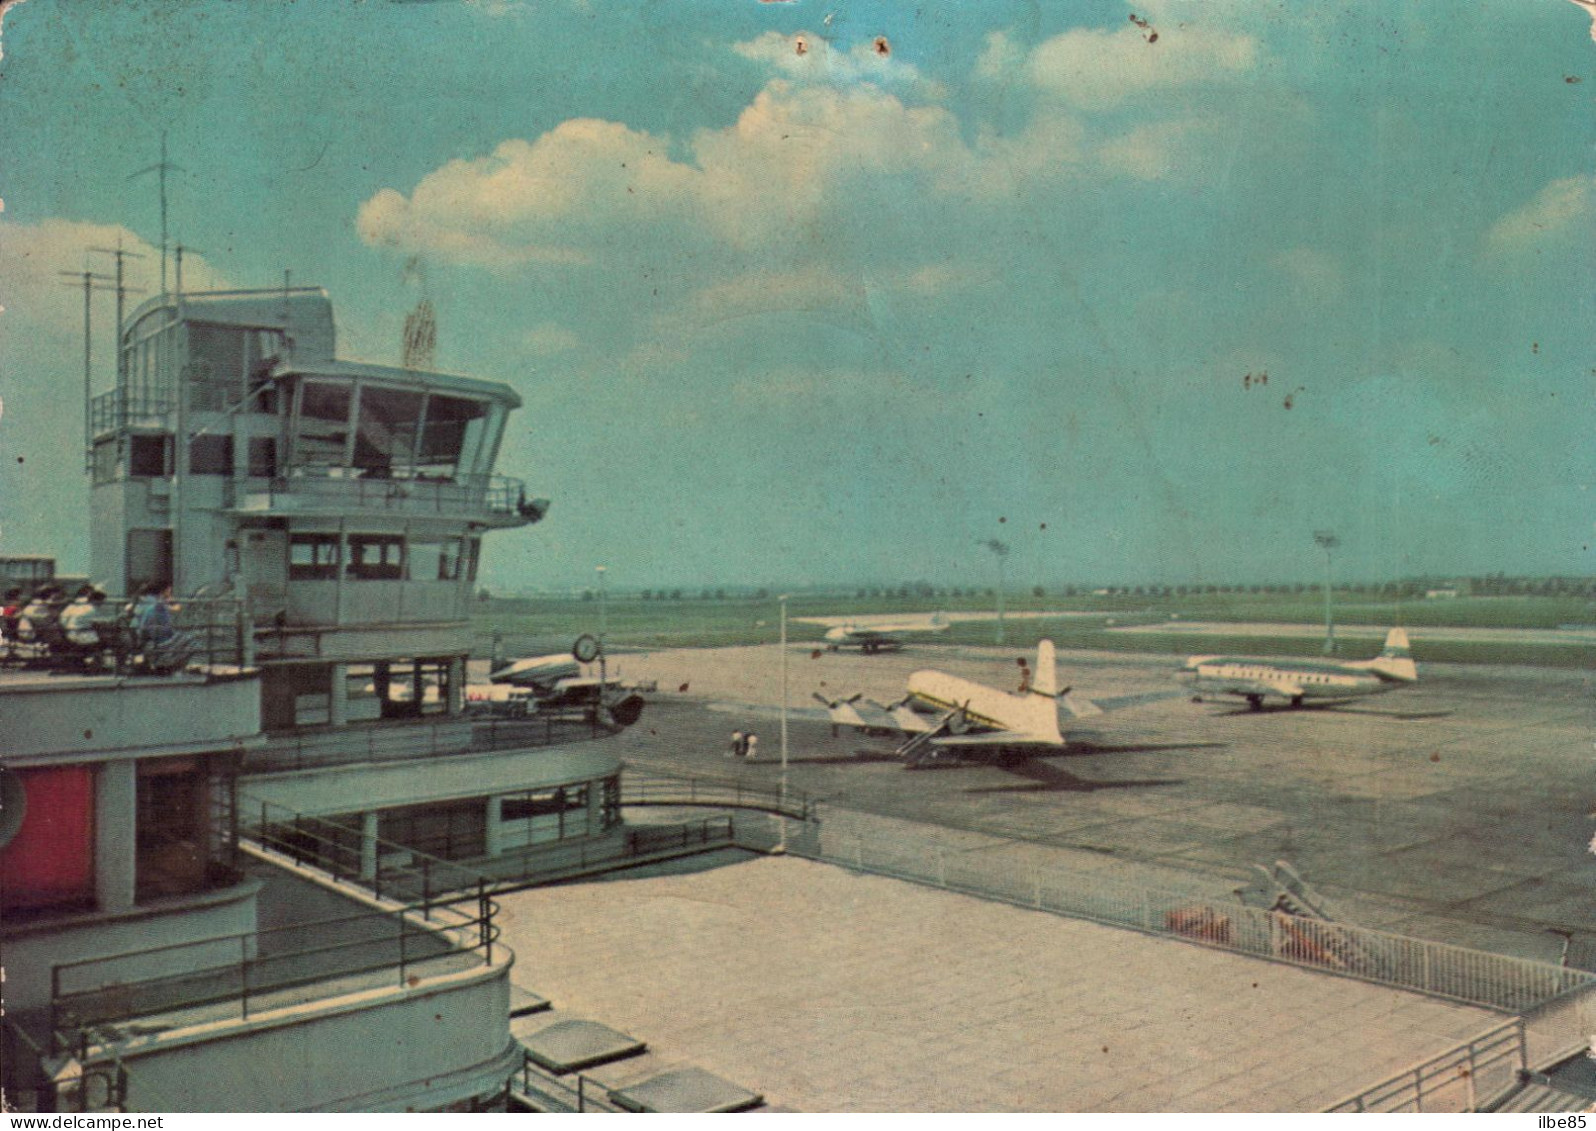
[(832, 991)]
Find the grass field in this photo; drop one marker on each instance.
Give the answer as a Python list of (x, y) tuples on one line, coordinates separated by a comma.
[(546, 625)]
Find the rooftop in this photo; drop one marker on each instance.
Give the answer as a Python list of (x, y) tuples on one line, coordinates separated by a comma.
[(831, 991)]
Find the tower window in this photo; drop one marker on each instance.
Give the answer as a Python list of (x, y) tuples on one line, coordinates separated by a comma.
[(313, 557)]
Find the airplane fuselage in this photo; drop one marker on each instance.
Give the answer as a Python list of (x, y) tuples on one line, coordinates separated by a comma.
[(1295, 681), (1030, 718)]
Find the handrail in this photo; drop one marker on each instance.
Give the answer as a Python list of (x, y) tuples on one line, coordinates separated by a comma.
[(588, 1095), (653, 787), (1437, 969), (1464, 1064), (198, 975), (288, 832)]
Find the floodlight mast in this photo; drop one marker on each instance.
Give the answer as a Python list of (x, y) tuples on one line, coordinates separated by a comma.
[(781, 816), (1327, 541)]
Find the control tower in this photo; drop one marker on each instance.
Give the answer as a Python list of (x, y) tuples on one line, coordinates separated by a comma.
[(343, 503)]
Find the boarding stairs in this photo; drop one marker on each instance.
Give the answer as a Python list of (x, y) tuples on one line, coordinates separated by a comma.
[(920, 749)]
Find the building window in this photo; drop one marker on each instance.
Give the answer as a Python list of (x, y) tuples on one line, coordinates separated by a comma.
[(322, 430), (385, 432), (543, 802), (434, 560), (263, 457), (376, 557), (610, 803), (313, 557), (455, 436), (452, 830), (172, 854), (146, 456), (106, 454), (149, 559), (210, 455), (543, 815)]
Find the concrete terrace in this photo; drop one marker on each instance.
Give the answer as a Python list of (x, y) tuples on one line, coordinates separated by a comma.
[(828, 990)]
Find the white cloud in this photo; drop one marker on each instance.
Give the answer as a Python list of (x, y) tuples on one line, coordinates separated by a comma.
[(1001, 59), (1564, 206), (1095, 69), (805, 57), (37, 299), (563, 197), (842, 137)]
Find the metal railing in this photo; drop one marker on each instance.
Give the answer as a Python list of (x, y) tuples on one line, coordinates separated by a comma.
[(496, 494), (385, 869), (122, 407), (1442, 970), (209, 633), (392, 871), (404, 740), (1465, 1078), (243, 974), (651, 787), (550, 1093)]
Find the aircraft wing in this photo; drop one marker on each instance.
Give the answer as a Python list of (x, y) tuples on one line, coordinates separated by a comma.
[(869, 715), (1122, 702), (1078, 706), (911, 721)]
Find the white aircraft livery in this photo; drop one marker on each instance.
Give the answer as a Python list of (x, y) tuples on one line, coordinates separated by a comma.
[(1296, 682), (947, 718), (877, 633)]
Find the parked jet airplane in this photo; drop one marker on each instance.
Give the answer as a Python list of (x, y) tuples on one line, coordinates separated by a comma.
[(948, 718), (1298, 681), (876, 634)]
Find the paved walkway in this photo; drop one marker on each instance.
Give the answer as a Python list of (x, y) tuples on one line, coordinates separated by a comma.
[(832, 991)]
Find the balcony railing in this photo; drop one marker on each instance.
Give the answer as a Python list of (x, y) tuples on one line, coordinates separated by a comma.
[(124, 408), (242, 975), (495, 494), (208, 634)]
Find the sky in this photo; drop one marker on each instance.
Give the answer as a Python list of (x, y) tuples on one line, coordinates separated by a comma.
[(808, 292)]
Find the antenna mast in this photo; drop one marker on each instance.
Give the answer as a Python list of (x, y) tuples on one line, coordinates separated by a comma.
[(90, 283), (160, 169), (121, 294)]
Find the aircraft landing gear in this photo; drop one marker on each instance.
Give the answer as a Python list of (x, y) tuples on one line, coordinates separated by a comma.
[(1296, 702), (1255, 702)]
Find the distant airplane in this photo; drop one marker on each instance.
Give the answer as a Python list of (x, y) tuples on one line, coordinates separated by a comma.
[(876, 634), (555, 685), (1297, 681), (948, 718)]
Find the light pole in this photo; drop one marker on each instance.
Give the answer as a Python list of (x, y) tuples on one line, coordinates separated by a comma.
[(1000, 550), (1327, 541), (781, 817), (601, 570)]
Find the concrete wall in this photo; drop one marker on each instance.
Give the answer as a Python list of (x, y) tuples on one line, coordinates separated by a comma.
[(89, 717), (31, 951), (420, 1048), (357, 788)]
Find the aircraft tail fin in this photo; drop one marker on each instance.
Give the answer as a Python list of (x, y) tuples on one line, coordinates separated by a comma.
[(1045, 680), (1394, 662)]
